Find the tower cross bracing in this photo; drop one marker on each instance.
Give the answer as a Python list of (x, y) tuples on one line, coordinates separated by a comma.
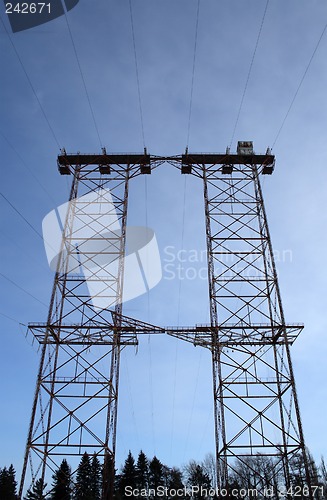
[(256, 410)]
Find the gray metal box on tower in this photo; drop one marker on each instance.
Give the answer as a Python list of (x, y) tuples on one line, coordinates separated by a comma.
[(245, 148)]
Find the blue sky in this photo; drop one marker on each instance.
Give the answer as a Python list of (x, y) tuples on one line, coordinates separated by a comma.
[(165, 391)]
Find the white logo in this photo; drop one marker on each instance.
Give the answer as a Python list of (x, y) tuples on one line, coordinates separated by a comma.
[(92, 247)]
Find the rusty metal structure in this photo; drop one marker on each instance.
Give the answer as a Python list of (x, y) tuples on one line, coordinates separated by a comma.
[(256, 409), (75, 404), (256, 412)]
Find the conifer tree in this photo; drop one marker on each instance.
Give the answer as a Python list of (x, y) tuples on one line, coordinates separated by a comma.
[(62, 482), (196, 476), (36, 492), (82, 489), (96, 478), (127, 476), (142, 471), (8, 484), (175, 479), (156, 476)]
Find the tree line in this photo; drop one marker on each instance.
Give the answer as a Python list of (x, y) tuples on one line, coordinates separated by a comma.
[(146, 476)]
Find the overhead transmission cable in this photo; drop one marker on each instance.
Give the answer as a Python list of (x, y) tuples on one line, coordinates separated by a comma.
[(146, 214), (12, 319), (182, 245), (148, 319), (206, 427), (36, 232), (188, 429), (300, 85), (151, 396), (24, 219), (27, 167), (137, 72), (249, 73), (193, 73), (21, 216), (18, 212), (183, 216), (22, 289), (83, 80), (147, 249), (31, 85), (177, 341), (129, 391), (25, 252)]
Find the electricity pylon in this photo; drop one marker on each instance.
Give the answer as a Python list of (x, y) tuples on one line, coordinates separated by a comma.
[(256, 409), (76, 396), (256, 412)]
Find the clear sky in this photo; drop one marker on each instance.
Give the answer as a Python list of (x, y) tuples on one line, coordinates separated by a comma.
[(165, 391)]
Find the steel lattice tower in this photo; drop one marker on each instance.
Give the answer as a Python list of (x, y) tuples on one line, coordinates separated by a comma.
[(256, 411), (75, 403), (256, 408)]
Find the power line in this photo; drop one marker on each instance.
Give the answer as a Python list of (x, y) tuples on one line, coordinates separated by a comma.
[(35, 231), (34, 92), (12, 319), (27, 167), (249, 73), (146, 248), (31, 85), (193, 404), (182, 245), (193, 73), (83, 80), (131, 402), (300, 85), (148, 319), (137, 71), (206, 427), (22, 289), (151, 396), (22, 216), (25, 252), (26, 221), (177, 341)]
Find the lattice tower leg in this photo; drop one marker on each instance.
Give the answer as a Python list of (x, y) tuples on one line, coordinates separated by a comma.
[(75, 403), (257, 419)]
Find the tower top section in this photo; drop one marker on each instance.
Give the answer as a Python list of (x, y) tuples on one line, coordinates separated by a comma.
[(245, 155)]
